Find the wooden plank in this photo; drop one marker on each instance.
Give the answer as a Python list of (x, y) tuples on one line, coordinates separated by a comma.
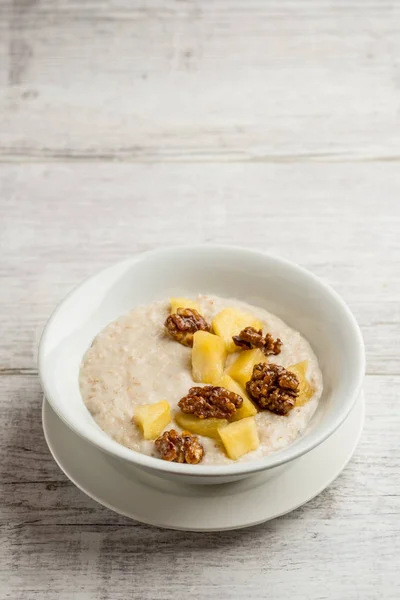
[(297, 102), (61, 223), (53, 533), (188, 81)]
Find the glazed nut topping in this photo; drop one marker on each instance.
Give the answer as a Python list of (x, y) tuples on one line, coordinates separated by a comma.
[(273, 387), (250, 338), (210, 402), (180, 448), (184, 323)]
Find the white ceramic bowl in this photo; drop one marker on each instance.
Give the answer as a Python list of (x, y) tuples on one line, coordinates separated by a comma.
[(294, 294)]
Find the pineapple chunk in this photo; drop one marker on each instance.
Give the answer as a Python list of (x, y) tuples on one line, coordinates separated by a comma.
[(242, 369), (183, 303), (305, 389), (206, 427), (208, 357), (240, 438), (152, 418), (247, 409), (230, 322)]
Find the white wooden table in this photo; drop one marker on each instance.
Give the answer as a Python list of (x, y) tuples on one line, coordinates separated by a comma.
[(128, 124)]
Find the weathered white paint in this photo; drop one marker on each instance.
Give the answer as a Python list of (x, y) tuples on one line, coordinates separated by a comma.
[(288, 114), (200, 81)]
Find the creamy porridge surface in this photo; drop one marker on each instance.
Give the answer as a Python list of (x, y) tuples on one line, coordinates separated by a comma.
[(133, 362)]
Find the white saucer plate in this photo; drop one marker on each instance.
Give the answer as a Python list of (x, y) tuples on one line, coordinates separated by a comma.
[(148, 499)]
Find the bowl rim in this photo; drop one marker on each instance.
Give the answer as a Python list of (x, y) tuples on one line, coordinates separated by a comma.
[(286, 455)]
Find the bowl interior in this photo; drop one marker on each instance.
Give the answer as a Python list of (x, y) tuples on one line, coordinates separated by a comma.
[(292, 293)]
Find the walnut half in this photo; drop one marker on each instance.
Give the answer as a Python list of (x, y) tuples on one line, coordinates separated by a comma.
[(183, 448), (184, 323), (273, 387), (251, 338), (210, 402)]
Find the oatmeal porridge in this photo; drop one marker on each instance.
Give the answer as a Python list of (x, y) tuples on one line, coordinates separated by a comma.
[(207, 380)]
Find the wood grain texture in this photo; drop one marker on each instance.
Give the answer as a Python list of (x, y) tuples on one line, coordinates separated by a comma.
[(126, 125), (53, 532), (62, 222), (193, 81)]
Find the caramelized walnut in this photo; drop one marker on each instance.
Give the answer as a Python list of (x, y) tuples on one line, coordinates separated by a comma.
[(180, 448), (210, 401), (251, 338), (273, 387), (184, 323)]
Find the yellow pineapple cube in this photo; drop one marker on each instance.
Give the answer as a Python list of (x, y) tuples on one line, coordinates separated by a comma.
[(242, 369), (206, 427), (299, 368), (183, 303), (247, 409), (208, 357), (240, 437), (152, 418), (231, 322), (306, 390)]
